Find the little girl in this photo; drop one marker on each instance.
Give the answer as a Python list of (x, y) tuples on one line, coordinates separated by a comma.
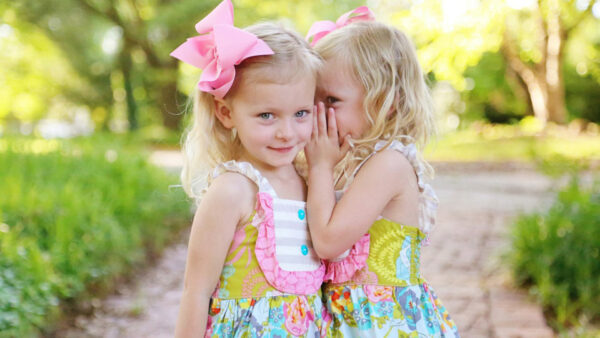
[(379, 106), (251, 269)]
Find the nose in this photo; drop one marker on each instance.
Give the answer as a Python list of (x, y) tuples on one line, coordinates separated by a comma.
[(285, 130)]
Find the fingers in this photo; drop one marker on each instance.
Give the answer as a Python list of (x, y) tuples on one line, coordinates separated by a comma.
[(315, 130), (331, 123), (322, 122)]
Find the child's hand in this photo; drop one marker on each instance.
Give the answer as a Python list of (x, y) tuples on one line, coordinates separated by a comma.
[(324, 150)]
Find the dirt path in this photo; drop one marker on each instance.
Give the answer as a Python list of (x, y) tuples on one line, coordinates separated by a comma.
[(462, 263)]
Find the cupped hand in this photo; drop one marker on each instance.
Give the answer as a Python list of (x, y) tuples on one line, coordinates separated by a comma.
[(324, 150)]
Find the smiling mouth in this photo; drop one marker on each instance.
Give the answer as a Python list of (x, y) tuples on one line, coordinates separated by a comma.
[(282, 149)]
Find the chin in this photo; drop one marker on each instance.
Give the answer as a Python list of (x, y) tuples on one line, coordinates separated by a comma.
[(280, 162)]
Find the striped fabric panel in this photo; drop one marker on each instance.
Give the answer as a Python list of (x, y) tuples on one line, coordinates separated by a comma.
[(293, 246), (290, 241)]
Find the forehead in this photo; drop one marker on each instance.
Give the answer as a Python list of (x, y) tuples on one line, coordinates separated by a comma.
[(337, 75), (293, 92)]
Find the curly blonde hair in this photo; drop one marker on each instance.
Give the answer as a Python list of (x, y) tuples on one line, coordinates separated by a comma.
[(207, 142), (397, 102)]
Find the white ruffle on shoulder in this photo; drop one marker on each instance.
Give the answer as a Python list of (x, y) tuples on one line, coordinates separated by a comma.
[(201, 185)]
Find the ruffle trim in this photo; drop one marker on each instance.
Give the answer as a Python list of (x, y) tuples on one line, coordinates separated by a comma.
[(296, 282), (243, 168), (343, 270)]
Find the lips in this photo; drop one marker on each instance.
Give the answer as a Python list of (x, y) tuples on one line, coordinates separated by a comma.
[(281, 149)]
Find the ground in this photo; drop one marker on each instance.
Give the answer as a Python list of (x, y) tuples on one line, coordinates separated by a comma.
[(463, 262)]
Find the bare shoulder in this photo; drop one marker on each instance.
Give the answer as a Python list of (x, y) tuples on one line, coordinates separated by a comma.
[(231, 184), (388, 173), (390, 165), (230, 192)]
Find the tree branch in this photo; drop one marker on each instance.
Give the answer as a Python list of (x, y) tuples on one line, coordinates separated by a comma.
[(587, 11), (112, 15)]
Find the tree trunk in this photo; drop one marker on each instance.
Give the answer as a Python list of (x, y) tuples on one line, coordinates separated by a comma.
[(535, 84), (543, 80), (126, 66), (554, 49), (557, 111)]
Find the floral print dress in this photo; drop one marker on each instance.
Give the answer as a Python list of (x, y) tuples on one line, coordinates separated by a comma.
[(270, 282), (376, 289)]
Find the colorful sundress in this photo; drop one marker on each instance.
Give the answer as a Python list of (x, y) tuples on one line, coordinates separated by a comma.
[(270, 283), (376, 289)]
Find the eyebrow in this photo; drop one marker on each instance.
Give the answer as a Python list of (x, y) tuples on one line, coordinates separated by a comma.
[(273, 110)]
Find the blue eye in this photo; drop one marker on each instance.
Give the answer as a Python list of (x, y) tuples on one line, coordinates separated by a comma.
[(301, 113), (265, 116)]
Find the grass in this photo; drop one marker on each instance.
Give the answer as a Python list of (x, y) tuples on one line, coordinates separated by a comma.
[(75, 217), (501, 143)]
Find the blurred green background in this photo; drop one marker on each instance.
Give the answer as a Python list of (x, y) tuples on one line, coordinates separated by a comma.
[(88, 89), (76, 66)]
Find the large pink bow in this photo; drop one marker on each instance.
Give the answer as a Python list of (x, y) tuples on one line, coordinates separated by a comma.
[(219, 47), (321, 28)]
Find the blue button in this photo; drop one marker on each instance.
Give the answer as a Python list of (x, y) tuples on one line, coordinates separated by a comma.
[(304, 249), (301, 214)]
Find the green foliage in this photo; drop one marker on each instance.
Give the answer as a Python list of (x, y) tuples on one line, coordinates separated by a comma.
[(494, 96), (35, 77), (557, 255), (460, 42), (74, 217), (449, 37), (120, 49), (520, 142), (583, 100)]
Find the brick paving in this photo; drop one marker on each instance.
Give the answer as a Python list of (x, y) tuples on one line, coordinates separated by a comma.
[(462, 264)]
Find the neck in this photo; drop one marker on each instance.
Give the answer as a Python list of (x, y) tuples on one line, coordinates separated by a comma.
[(284, 179)]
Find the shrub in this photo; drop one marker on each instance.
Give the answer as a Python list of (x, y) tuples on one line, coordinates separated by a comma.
[(74, 217), (557, 255)]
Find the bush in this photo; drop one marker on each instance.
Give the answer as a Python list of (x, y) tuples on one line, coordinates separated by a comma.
[(74, 217), (557, 255)]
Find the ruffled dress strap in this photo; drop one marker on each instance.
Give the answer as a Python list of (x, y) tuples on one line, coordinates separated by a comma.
[(243, 168), (428, 200)]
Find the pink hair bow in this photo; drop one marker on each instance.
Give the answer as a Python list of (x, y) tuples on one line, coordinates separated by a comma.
[(219, 47), (321, 28)]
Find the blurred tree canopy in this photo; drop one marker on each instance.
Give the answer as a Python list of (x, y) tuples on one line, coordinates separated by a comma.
[(120, 48), (506, 58), (535, 40), (35, 74)]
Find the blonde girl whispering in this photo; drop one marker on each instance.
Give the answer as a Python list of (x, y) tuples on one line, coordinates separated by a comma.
[(376, 103)]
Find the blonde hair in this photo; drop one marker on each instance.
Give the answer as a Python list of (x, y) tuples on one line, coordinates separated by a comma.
[(397, 102), (207, 142)]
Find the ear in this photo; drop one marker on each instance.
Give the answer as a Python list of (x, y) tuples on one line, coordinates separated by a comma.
[(223, 112)]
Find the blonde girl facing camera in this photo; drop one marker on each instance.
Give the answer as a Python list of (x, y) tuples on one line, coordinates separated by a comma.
[(251, 270), (378, 107)]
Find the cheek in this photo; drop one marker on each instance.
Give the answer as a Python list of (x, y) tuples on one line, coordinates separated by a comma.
[(340, 121), (258, 134), (305, 131)]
